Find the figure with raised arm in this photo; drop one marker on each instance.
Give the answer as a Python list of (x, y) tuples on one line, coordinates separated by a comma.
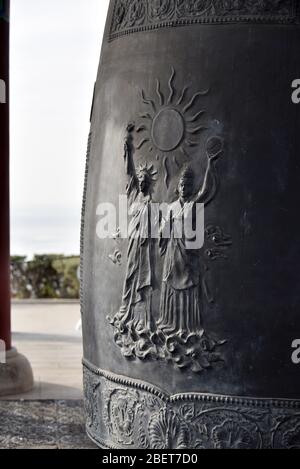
[(133, 322), (180, 319)]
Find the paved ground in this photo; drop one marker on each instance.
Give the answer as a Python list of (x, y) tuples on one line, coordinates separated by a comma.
[(51, 416), (43, 425), (46, 333)]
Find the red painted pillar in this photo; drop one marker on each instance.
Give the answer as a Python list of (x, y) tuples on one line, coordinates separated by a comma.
[(16, 374), (5, 327)]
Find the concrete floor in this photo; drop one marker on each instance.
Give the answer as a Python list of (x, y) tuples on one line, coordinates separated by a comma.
[(45, 332)]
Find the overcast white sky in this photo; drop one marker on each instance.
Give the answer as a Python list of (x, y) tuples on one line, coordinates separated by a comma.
[(55, 49)]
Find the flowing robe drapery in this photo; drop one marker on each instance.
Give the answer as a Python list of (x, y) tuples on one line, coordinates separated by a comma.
[(139, 277), (180, 296)]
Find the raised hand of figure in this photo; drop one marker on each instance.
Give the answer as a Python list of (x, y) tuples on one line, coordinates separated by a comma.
[(128, 139), (214, 148)]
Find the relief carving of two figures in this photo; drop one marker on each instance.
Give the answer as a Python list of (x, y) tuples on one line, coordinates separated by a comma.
[(177, 333)]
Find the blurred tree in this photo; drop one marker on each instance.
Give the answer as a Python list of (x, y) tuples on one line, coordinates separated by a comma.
[(45, 277)]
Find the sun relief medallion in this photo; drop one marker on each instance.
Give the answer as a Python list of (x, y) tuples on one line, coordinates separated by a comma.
[(172, 124)]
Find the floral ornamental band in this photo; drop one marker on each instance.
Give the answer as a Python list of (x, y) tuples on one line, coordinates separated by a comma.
[(130, 16)]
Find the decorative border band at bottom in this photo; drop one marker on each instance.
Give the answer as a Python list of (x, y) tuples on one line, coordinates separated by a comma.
[(123, 413)]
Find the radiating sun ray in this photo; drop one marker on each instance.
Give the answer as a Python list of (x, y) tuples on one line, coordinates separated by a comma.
[(183, 151), (196, 116), (175, 161), (182, 95), (193, 100), (159, 93), (201, 128), (150, 149), (157, 158), (171, 88), (146, 116), (148, 101), (190, 143), (139, 146), (141, 128), (167, 176)]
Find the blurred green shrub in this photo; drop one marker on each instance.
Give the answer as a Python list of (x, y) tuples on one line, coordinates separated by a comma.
[(45, 277)]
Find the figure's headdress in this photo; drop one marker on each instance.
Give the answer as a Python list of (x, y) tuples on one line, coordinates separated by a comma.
[(147, 170)]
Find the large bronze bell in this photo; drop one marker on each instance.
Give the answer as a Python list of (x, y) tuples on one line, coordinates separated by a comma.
[(185, 345)]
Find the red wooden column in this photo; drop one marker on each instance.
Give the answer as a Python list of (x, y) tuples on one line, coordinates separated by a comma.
[(5, 329)]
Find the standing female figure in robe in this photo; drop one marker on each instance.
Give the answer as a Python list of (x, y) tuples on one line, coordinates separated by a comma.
[(133, 321), (181, 294)]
